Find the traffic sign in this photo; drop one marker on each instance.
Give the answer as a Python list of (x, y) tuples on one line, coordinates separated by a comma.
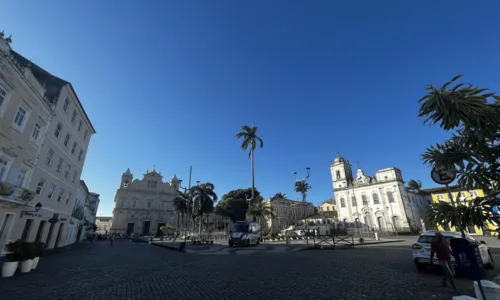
[(441, 176)]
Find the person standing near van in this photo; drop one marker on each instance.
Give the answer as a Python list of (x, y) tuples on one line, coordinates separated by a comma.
[(443, 252)]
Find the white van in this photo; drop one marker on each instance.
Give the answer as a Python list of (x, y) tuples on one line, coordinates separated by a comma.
[(244, 233)]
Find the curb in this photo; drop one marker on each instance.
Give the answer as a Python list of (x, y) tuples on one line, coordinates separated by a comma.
[(171, 248), (349, 246)]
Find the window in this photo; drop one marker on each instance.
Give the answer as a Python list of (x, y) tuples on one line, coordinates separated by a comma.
[(50, 156), (134, 203), (364, 200), (152, 184), (20, 118), (66, 104), (59, 126), (473, 194), (74, 147), (80, 155), (51, 190), (4, 167), (59, 197), (353, 200), (375, 199), (66, 172), (66, 140), (68, 197), (59, 165), (39, 186), (390, 197), (338, 175), (73, 117), (440, 197), (3, 95), (21, 176), (85, 135), (36, 132), (149, 204), (74, 177), (80, 126)]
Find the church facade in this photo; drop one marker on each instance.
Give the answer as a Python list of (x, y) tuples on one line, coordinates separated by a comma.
[(142, 206), (379, 202)]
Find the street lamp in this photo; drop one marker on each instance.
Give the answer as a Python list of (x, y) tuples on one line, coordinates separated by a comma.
[(304, 180), (33, 213)]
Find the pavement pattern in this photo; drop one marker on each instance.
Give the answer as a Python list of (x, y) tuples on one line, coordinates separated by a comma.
[(142, 271)]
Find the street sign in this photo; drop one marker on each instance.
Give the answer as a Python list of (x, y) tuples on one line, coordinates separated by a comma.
[(443, 176)]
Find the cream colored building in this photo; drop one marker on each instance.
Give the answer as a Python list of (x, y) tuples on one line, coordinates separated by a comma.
[(44, 138), (144, 205), (379, 202), (328, 205), (103, 224), (287, 212)]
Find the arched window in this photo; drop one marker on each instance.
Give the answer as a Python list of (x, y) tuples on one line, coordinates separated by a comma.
[(353, 200), (364, 200), (390, 197), (338, 175), (375, 199), (342, 202), (134, 203)]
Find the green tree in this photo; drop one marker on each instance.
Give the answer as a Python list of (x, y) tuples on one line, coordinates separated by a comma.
[(204, 198), (250, 140), (278, 196), (472, 115), (301, 186), (234, 204), (181, 204), (259, 209), (414, 186)]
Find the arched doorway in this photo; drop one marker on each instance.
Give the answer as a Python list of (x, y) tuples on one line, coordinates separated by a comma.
[(381, 223)]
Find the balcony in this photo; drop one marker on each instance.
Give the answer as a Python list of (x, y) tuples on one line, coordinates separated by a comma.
[(15, 194)]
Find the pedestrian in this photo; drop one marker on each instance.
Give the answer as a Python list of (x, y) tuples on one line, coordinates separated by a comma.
[(443, 252), (111, 238)]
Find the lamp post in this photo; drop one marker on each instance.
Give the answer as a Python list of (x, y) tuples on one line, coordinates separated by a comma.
[(393, 223), (304, 180), (33, 213)]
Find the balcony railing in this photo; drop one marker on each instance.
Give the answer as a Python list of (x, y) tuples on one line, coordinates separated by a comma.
[(9, 191)]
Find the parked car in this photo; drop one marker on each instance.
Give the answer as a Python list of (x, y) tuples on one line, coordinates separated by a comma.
[(422, 249)]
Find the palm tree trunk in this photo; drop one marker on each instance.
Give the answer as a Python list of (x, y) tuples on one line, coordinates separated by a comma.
[(303, 197), (199, 225), (253, 172)]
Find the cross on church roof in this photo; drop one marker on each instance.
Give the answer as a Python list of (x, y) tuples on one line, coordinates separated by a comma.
[(359, 165)]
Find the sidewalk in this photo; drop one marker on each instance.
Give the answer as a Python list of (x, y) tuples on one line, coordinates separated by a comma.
[(60, 249)]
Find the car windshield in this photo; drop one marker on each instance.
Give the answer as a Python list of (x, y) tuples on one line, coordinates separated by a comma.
[(240, 228)]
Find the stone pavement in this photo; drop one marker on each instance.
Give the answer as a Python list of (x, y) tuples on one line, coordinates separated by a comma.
[(142, 271)]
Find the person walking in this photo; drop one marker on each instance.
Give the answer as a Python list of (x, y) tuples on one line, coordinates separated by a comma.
[(441, 248), (111, 239)]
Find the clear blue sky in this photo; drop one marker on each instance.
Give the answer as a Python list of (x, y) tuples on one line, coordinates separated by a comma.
[(169, 83)]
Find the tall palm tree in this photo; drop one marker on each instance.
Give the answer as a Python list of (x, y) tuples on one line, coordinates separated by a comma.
[(250, 139), (259, 209), (181, 204), (302, 187), (204, 198), (414, 186)]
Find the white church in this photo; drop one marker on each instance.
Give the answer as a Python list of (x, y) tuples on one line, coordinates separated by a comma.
[(378, 203)]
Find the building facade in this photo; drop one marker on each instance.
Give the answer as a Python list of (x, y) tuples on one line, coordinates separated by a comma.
[(380, 202), (75, 227), (103, 224), (459, 196), (144, 205), (45, 134), (286, 213), (328, 205), (90, 212)]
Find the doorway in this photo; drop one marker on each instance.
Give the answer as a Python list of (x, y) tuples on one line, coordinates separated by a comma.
[(145, 228), (5, 229), (130, 228), (39, 232), (27, 229), (381, 223), (158, 231), (58, 238), (49, 236)]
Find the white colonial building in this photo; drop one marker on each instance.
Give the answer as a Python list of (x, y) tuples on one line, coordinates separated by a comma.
[(144, 205), (44, 136), (379, 202), (103, 224)]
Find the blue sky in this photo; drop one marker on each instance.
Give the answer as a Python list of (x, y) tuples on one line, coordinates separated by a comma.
[(169, 83)]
